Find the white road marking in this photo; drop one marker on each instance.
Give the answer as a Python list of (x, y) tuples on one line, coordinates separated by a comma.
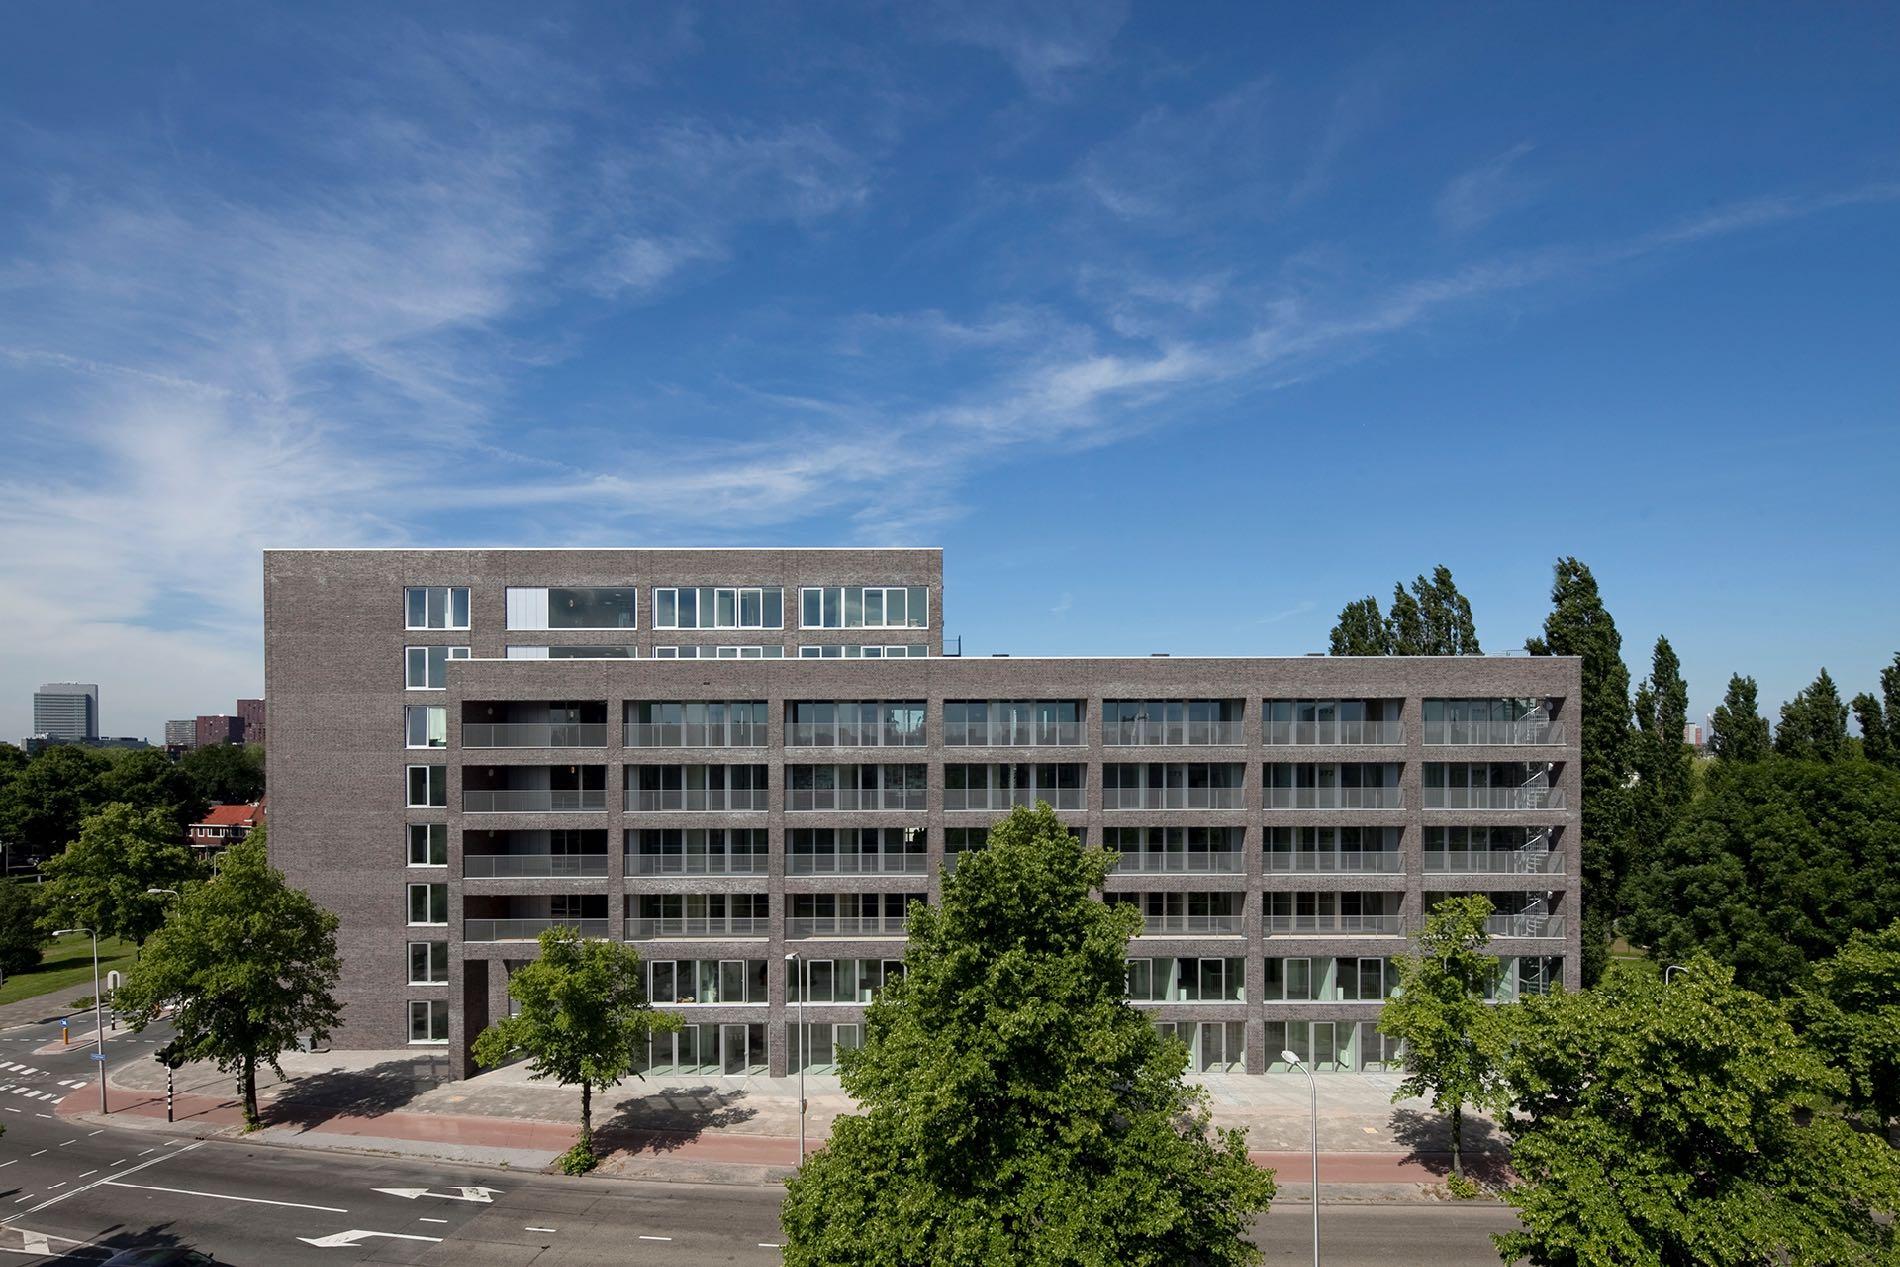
[(537, 1229), (97, 1182), (770, 1245), (356, 1236), (13, 1110), (70, 1141), (144, 1151), (484, 1195), (42, 1151), (5, 1164), (119, 1162), (656, 1238), (27, 1197), (100, 1131), (432, 1220), (89, 1172), (221, 1196), (47, 1116)]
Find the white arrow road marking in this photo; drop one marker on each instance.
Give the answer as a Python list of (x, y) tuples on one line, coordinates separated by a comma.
[(221, 1196), (484, 1195), (337, 1240)]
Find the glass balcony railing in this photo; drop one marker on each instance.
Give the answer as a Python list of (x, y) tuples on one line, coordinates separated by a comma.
[(826, 734), (533, 866), (857, 864), (1500, 734), (1211, 862), (801, 926), (711, 800), (1334, 924), (1524, 925), (1191, 925), (1173, 798), (991, 734), (526, 929), (1495, 861), (1005, 798), (1179, 734), (646, 928), (734, 734), (696, 864), (534, 735), (533, 801), (1335, 798), (1336, 862), (811, 798), (1336, 733), (1494, 798)]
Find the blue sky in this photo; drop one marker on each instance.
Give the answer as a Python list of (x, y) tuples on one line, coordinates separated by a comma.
[(1177, 326)]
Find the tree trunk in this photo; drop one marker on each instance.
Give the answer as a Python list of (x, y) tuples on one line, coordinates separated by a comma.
[(1457, 1139), (587, 1115), (250, 1093)]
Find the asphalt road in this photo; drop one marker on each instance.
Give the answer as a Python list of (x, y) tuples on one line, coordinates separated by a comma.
[(73, 1193)]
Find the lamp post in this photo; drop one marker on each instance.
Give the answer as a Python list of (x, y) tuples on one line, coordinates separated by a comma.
[(98, 1013), (804, 1048), (1313, 1087), (1674, 967)]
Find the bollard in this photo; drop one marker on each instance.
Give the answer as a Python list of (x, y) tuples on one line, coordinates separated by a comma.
[(168, 1093), (65, 1032)]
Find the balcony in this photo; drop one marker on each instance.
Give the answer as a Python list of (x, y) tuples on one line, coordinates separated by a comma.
[(534, 866), (1495, 861), (696, 864), (857, 864), (1173, 734), (1500, 734), (527, 929), (836, 734), (732, 734), (997, 798), (533, 801), (1335, 798), (702, 927), (1524, 925), (1173, 798), (1336, 862), (993, 734), (1494, 798), (844, 798), (1336, 733), (1211, 862), (1184, 925), (534, 734), (802, 926), (1329, 924), (698, 800)]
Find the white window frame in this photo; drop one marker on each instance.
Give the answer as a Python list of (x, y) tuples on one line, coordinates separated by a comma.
[(409, 905), (710, 621), (409, 776), (431, 1008), (884, 607), (448, 607), (431, 714), (429, 831), (409, 662), (429, 963)]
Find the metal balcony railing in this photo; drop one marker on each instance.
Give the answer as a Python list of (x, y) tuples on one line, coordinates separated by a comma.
[(734, 734), (1191, 925), (533, 801), (1180, 734), (1524, 925), (1495, 861), (1494, 798), (1336, 733), (1173, 798), (1348, 925), (826, 734), (857, 864), (1335, 798), (645, 928), (1501, 734), (1211, 862), (800, 926), (526, 929), (1006, 798), (696, 864), (991, 734), (1337, 862), (533, 866), (720, 800), (810, 798), (534, 734)]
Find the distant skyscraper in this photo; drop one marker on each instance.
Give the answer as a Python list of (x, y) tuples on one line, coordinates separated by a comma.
[(67, 711), (252, 713), (182, 733), (1692, 735)]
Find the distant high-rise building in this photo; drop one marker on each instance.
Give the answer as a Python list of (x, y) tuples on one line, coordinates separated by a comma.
[(1692, 735), (217, 728), (67, 711), (252, 713), (182, 733)]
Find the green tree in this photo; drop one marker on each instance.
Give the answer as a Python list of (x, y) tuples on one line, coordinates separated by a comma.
[(1018, 1111), (21, 936), (1580, 625), (226, 773), (1440, 1014), (1814, 723), (1773, 868), (248, 964), (42, 806), (1664, 764), (583, 1020), (146, 778), (1880, 718), (1361, 630), (100, 881), (1445, 615), (1738, 731), (1851, 1018), (1662, 1124)]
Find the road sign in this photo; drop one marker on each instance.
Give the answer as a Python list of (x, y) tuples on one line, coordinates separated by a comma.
[(114, 979), (97, 1055)]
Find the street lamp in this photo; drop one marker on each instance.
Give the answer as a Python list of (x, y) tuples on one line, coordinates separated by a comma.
[(804, 1048), (157, 892), (1674, 967), (98, 1013), (1295, 1062)]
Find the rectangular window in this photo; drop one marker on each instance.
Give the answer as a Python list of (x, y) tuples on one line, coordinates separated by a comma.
[(428, 1020), (428, 963), (428, 787), (572, 607), (425, 668), (436, 607), (428, 844), (426, 727), (428, 904), (719, 607)]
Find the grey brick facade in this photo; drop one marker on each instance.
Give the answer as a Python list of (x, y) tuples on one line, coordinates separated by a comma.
[(335, 642)]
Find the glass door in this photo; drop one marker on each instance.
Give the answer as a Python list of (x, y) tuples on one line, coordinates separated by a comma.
[(732, 1050)]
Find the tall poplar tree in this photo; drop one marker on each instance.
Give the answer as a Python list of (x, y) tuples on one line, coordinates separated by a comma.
[(1663, 762), (1738, 731), (1814, 723), (1879, 719), (1361, 630), (1433, 618), (1580, 625)]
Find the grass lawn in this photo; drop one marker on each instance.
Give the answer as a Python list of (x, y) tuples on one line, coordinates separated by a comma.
[(66, 969), (1619, 949)]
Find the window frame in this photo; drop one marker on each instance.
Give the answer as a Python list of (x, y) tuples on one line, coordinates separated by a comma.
[(431, 951), (409, 655), (430, 888), (432, 1011), (430, 781), (448, 607), (429, 713), (431, 833)]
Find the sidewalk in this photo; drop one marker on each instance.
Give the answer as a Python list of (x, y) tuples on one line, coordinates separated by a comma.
[(736, 1129)]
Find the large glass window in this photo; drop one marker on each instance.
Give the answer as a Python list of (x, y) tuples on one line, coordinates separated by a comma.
[(426, 727), (428, 1020), (572, 607), (426, 668), (428, 844), (719, 607), (428, 962), (436, 607), (860, 651), (428, 787), (428, 904), (861, 607), (729, 981)]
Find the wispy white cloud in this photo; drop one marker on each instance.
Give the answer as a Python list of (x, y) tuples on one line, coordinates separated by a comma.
[(1480, 194), (1298, 609), (1045, 44)]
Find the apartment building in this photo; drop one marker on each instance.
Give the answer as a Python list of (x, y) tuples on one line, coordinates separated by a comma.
[(732, 757)]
